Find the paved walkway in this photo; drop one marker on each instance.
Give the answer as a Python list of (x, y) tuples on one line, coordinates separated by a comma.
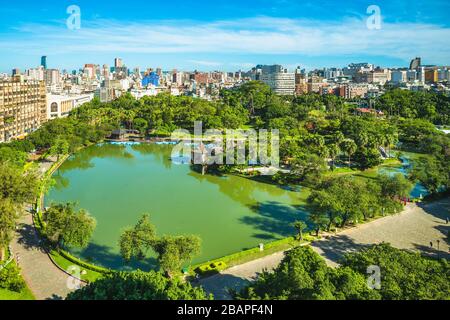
[(412, 229), (44, 279), (239, 276)]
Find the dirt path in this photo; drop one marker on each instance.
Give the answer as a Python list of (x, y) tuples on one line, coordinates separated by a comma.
[(412, 229)]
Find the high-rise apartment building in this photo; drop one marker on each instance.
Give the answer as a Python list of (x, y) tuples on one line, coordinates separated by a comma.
[(23, 107), (314, 83), (52, 77), (90, 70), (282, 83), (36, 73), (106, 71), (301, 83)]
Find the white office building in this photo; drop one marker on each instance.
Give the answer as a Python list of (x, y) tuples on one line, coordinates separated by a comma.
[(282, 83), (59, 106)]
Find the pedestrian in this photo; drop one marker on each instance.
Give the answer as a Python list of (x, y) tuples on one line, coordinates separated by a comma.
[(446, 220), (431, 244)]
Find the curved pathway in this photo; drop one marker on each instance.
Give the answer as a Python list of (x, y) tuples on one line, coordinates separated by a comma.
[(412, 229), (45, 280)]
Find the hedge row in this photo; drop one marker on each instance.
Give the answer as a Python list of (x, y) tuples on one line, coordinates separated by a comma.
[(210, 269), (82, 263)]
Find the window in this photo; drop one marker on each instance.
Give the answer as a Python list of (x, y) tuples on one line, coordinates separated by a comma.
[(54, 107)]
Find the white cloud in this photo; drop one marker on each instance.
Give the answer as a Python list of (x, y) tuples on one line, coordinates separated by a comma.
[(261, 35)]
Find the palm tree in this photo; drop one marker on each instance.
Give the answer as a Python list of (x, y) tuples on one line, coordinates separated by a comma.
[(349, 146), (334, 151), (390, 139), (300, 226)]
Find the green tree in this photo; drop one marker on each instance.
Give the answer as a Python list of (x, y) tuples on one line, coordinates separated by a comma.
[(141, 125), (319, 218), (174, 251), (66, 226), (300, 226), (404, 275), (136, 242), (395, 186), (138, 285), (13, 156), (430, 173), (17, 186), (8, 216), (60, 147), (367, 158), (349, 147), (307, 167), (303, 275), (333, 151), (10, 278)]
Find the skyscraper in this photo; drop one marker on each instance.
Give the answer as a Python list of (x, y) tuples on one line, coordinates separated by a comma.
[(44, 62), (118, 63), (415, 63)]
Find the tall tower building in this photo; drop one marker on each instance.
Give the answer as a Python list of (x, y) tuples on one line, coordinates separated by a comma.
[(415, 63), (44, 62), (118, 63)]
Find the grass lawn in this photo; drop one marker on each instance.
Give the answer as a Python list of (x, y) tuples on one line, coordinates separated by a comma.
[(63, 263), (413, 155), (369, 173), (11, 295), (255, 253)]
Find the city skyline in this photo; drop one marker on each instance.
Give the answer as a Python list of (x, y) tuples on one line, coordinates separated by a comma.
[(225, 36)]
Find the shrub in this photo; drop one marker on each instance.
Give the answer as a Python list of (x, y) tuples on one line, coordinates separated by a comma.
[(212, 268), (11, 279), (82, 263)]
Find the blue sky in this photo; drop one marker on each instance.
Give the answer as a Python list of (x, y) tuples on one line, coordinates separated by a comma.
[(223, 35)]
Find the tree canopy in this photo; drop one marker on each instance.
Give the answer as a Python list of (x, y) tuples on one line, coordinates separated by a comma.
[(138, 285), (64, 225), (303, 275)]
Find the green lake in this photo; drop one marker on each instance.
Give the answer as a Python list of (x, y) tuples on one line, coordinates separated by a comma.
[(118, 183)]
